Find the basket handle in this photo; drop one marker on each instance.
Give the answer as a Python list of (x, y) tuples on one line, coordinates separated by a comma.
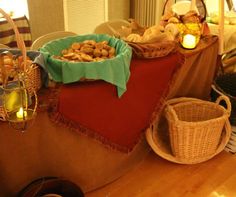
[(19, 39), (169, 109), (227, 101), (215, 88)]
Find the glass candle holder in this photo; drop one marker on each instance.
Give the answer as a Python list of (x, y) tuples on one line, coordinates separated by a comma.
[(19, 106), (191, 36), (189, 41)]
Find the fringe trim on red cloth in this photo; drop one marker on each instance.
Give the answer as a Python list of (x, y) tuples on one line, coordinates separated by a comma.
[(61, 120)]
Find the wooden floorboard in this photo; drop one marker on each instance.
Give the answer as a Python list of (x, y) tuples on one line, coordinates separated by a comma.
[(156, 177)]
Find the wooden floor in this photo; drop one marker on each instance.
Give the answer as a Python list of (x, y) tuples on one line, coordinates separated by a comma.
[(156, 177)]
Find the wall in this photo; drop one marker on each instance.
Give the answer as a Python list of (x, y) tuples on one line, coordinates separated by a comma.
[(118, 9), (45, 16), (83, 16), (146, 12), (48, 15)]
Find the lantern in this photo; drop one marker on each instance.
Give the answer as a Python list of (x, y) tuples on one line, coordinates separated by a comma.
[(19, 106), (191, 35)]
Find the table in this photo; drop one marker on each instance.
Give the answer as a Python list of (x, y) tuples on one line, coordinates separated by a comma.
[(48, 149), (87, 107), (7, 35)]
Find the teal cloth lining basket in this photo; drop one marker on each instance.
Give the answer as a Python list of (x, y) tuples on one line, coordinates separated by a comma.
[(115, 70)]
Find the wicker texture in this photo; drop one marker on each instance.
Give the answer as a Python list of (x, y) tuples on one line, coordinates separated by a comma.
[(33, 76), (195, 126), (153, 50), (201, 7), (33, 79), (161, 147)]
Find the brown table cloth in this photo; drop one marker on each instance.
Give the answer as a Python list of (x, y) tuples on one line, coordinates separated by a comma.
[(7, 35), (196, 75)]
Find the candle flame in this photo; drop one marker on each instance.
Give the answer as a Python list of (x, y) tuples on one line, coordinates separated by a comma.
[(21, 113)]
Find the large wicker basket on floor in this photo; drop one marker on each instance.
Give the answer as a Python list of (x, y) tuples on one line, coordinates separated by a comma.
[(195, 127), (33, 76)]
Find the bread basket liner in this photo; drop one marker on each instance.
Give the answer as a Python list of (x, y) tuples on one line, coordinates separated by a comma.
[(115, 70)]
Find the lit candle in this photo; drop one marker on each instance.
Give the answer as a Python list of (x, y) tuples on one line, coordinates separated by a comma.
[(21, 113), (189, 41)]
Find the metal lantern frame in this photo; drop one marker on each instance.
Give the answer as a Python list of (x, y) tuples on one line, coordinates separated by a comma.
[(19, 105)]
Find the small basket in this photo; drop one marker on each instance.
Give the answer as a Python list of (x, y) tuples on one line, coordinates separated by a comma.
[(225, 84), (195, 127), (33, 76), (153, 50), (201, 6)]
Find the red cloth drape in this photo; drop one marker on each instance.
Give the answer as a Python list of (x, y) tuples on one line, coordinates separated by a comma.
[(95, 109)]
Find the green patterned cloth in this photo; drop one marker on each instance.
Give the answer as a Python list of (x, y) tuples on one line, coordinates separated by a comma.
[(115, 70)]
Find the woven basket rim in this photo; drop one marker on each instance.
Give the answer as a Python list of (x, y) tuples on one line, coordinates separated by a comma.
[(153, 50), (202, 123), (220, 109)]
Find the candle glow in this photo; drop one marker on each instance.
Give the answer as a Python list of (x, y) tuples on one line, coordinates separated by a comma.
[(189, 41), (21, 113)]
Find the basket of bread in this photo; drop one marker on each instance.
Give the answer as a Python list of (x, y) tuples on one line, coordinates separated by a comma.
[(12, 60), (148, 42), (88, 57), (180, 18)]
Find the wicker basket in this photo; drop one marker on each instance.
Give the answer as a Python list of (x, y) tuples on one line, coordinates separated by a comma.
[(33, 76), (195, 126), (158, 139), (199, 4), (153, 50), (225, 84)]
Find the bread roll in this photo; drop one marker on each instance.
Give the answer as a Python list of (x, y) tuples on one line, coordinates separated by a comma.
[(173, 20), (191, 17), (172, 29), (134, 38)]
